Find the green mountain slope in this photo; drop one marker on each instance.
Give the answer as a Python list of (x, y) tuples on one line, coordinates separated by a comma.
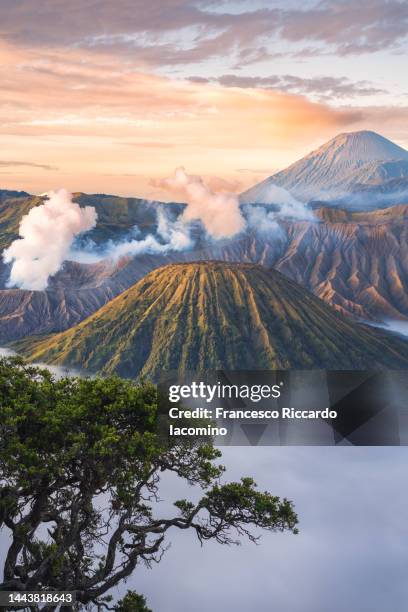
[(215, 315), (13, 206)]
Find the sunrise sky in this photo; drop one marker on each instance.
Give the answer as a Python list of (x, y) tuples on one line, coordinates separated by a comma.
[(111, 95)]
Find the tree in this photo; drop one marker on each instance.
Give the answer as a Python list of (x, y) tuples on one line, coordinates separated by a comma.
[(80, 466), (132, 602)]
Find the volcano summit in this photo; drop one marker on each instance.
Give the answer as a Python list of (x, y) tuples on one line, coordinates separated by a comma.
[(342, 165)]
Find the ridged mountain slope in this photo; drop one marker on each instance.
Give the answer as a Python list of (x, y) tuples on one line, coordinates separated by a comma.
[(198, 316)]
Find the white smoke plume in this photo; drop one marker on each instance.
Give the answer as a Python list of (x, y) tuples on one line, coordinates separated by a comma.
[(47, 233), (219, 213), (289, 207), (296, 210), (175, 236), (265, 220), (262, 221)]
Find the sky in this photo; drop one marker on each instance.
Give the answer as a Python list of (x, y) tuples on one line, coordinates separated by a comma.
[(103, 96), (350, 555)]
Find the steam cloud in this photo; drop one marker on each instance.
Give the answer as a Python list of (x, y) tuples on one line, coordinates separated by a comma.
[(264, 222), (47, 233), (289, 207), (175, 236), (219, 213)]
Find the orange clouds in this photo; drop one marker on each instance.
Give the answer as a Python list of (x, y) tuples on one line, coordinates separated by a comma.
[(107, 126)]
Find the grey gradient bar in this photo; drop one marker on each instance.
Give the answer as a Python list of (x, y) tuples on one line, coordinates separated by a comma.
[(370, 407)]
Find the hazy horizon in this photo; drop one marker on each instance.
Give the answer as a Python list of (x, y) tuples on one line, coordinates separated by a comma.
[(216, 183)]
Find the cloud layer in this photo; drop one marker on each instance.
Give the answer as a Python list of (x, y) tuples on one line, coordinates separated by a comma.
[(185, 31), (110, 127), (324, 87), (329, 566), (17, 164)]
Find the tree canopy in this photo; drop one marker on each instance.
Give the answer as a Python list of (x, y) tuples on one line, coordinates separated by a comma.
[(81, 461)]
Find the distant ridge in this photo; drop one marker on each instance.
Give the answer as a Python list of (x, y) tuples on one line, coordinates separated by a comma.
[(12, 193), (335, 168)]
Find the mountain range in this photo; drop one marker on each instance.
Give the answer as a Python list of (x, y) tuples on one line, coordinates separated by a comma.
[(356, 262), (353, 258)]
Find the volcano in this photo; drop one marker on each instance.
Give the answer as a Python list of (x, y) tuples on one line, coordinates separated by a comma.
[(341, 166), (216, 315)]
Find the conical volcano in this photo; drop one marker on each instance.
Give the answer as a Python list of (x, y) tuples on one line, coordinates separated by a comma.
[(337, 167), (215, 315)]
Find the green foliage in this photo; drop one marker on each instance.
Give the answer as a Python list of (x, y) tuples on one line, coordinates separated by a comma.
[(59, 429), (132, 602), (13, 206), (80, 468), (244, 505)]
